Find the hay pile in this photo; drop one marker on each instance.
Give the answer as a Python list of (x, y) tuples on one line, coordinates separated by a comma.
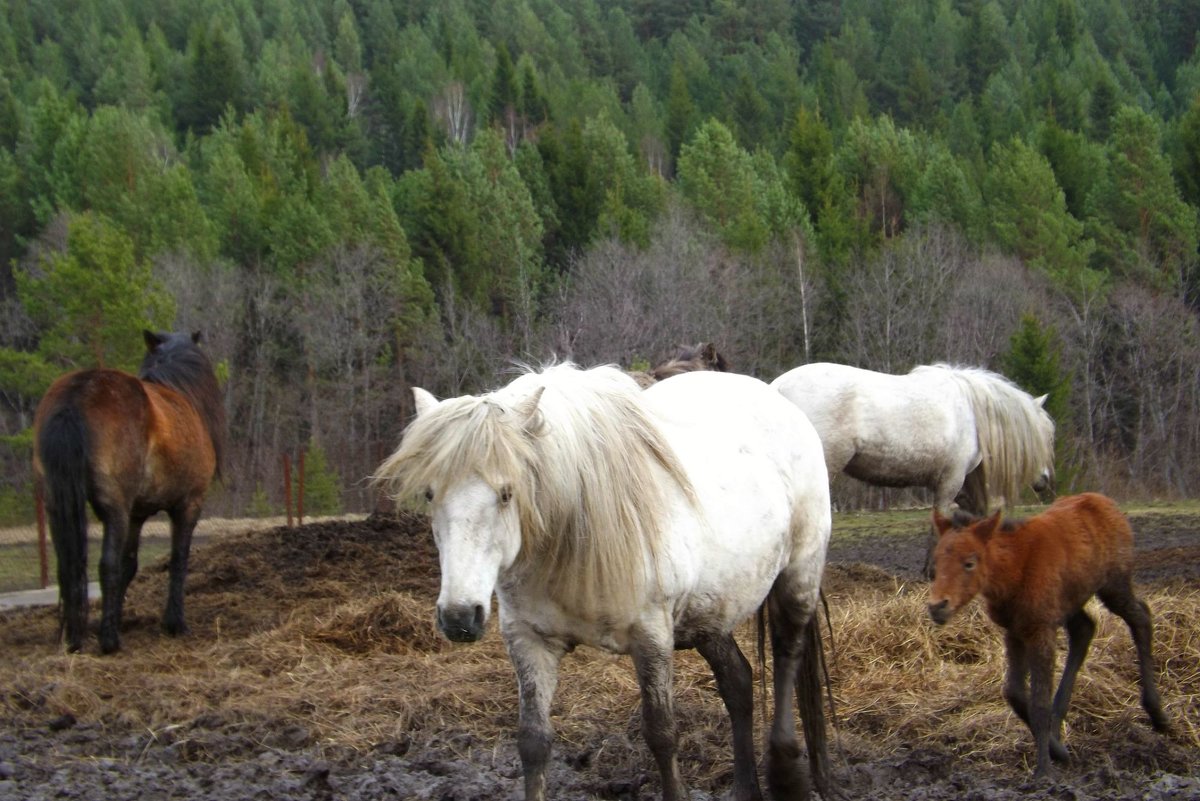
[(322, 637)]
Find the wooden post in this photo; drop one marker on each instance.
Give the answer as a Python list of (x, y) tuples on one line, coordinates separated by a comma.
[(300, 499), (39, 504), (287, 487)]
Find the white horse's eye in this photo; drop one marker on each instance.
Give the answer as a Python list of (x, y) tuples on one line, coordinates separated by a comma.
[(429, 494), (505, 494)]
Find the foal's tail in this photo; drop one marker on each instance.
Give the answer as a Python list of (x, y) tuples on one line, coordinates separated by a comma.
[(63, 450), (810, 684)]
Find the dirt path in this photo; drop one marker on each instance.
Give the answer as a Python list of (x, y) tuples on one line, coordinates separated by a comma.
[(312, 673)]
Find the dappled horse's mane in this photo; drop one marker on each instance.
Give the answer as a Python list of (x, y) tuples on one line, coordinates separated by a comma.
[(177, 362), (590, 474), (701, 356), (1016, 435)]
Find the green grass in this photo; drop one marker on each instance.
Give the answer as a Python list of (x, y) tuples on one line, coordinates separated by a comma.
[(20, 567)]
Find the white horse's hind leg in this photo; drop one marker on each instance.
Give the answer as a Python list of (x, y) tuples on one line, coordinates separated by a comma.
[(536, 663), (735, 681), (790, 616), (653, 658)]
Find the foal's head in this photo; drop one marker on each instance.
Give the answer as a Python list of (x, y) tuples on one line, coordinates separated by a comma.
[(959, 564)]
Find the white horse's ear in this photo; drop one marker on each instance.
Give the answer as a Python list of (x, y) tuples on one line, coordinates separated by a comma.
[(424, 400), (527, 409), (1040, 400)]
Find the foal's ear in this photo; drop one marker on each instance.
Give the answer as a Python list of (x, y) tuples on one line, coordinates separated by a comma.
[(152, 339), (941, 523), (989, 526), (197, 337), (423, 400)]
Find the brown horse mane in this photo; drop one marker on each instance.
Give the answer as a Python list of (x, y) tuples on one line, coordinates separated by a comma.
[(701, 356), (176, 361), (961, 518)]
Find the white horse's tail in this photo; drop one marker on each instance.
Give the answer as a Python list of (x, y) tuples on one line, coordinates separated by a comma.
[(1012, 433)]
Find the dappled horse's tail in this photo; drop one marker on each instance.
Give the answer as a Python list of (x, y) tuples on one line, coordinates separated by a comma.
[(63, 450), (810, 686)]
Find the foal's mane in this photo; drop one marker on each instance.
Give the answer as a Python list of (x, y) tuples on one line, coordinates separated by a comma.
[(179, 363), (1010, 426), (589, 471)]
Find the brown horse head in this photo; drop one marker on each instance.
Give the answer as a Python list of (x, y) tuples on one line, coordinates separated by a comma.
[(701, 356), (959, 561)]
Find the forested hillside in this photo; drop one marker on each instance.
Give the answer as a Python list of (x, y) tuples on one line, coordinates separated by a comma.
[(352, 197)]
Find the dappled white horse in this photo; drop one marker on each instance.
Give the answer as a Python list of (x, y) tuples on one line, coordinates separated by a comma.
[(967, 434), (637, 522)]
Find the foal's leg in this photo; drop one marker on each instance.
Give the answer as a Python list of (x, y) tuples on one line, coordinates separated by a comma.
[(653, 659), (183, 522), (1040, 655), (735, 680), (535, 660), (1016, 690), (1080, 631), (112, 587), (1136, 614)]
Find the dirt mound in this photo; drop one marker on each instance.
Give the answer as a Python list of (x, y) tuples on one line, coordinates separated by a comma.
[(313, 671)]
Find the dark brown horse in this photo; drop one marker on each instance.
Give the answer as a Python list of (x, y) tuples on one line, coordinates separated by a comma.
[(701, 356), (130, 447), (1035, 576)]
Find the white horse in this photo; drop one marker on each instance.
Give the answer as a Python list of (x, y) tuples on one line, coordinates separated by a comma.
[(967, 434), (636, 522)]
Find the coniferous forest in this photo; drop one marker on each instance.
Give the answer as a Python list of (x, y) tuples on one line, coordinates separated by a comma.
[(353, 197)]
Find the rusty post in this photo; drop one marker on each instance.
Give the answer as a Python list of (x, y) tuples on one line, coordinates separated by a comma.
[(287, 487), (300, 496), (39, 505)]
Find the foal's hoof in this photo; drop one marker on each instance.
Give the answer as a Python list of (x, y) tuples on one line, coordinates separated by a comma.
[(110, 645)]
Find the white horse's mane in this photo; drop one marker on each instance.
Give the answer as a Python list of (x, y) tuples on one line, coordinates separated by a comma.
[(1016, 435), (589, 472)]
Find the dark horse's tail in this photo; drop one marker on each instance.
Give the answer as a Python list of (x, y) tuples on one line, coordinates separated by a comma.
[(63, 450), (810, 688)]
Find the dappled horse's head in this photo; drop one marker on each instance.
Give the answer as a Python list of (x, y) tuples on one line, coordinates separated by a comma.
[(1043, 484), (959, 561), (701, 356)]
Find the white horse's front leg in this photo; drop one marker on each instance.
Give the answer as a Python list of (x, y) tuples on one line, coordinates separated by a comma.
[(653, 658), (536, 662)]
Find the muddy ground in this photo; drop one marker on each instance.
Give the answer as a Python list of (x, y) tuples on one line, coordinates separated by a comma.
[(225, 713)]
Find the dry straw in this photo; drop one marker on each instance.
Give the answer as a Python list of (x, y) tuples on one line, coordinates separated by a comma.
[(294, 647)]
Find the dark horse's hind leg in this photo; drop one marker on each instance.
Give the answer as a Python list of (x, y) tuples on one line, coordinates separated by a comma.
[(71, 558), (735, 681), (1133, 610), (112, 580), (183, 523)]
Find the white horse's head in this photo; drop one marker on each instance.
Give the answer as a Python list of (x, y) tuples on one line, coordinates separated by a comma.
[(469, 457), (1043, 484), (564, 487)]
